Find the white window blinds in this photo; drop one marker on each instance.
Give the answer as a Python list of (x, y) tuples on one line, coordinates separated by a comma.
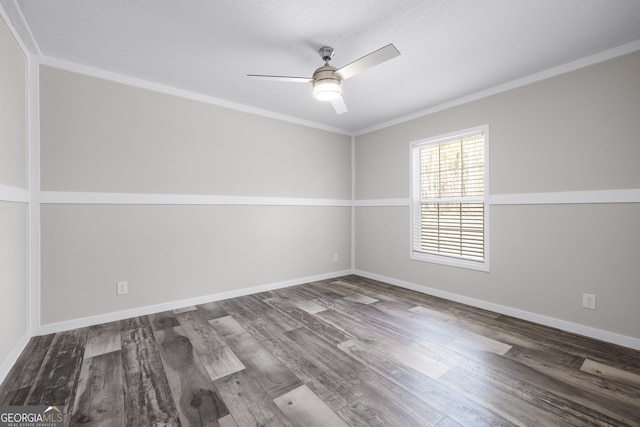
[(448, 210)]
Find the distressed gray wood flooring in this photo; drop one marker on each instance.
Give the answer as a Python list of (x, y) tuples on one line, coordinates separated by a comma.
[(340, 352)]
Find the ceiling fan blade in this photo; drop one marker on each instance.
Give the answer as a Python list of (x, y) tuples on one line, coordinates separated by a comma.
[(371, 60), (339, 105), (280, 78)]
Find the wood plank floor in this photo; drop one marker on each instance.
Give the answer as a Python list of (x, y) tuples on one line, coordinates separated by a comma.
[(348, 351)]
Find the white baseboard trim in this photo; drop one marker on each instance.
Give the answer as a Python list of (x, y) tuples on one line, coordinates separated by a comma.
[(575, 328), (52, 328), (11, 359)]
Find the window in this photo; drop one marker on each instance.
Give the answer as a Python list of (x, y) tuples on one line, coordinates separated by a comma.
[(449, 216)]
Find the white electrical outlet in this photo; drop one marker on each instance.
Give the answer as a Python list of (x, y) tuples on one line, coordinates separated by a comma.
[(335, 257), (589, 301), (122, 288)]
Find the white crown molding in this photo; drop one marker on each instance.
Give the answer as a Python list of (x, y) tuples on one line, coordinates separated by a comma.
[(12, 28), (157, 87), (181, 93), (9, 193), (575, 328), (173, 305), (68, 197), (532, 78), (28, 28)]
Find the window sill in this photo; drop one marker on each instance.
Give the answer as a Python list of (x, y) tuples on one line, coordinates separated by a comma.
[(451, 261)]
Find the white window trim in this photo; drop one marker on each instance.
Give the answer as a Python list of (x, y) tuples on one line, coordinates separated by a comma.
[(415, 198)]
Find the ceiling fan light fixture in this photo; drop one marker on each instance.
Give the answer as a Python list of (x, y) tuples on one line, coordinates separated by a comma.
[(327, 85), (327, 89)]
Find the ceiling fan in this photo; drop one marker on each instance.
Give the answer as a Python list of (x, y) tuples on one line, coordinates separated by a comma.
[(327, 80)]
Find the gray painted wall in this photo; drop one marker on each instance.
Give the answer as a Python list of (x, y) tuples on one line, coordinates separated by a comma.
[(574, 132), (99, 136), (13, 173)]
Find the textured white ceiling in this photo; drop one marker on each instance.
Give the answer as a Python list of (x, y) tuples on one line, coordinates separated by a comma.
[(450, 48)]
